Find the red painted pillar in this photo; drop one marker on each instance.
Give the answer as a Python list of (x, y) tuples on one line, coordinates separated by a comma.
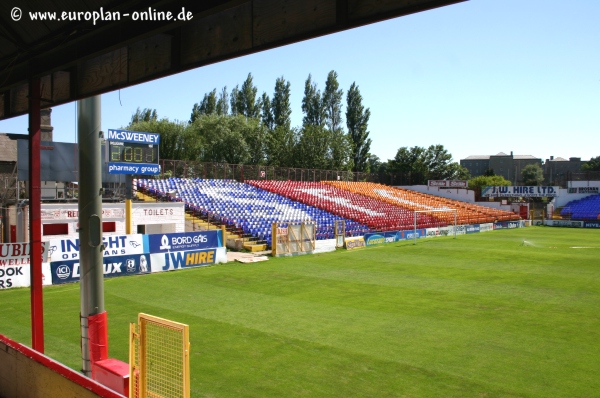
[(35, 219)]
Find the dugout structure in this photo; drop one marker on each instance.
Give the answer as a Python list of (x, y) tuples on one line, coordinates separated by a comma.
[(159, 358), (448, 216), (291, 238)]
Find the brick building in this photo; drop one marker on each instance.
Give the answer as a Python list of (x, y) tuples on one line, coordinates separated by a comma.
[(507, 166)]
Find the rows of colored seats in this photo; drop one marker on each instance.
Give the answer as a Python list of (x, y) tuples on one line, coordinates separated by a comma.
[(466, 213), (378, 215), (247, 207), (585, 209)]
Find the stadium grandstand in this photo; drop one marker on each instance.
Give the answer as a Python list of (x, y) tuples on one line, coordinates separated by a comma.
[(467, 213), (253, 206), (378, 215), (585, 209), (248, 208)]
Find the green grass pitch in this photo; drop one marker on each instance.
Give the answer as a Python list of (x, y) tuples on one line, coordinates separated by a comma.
[(483, 315)]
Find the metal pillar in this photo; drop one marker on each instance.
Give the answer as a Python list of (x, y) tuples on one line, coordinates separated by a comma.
[(35, 219), (93, 330), (128, 203)]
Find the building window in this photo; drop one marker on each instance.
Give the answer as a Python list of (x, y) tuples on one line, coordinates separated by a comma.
[(109, 226), (56, 229)]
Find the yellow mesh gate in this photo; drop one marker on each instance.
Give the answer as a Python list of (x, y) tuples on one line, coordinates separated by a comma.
[(159, 359)]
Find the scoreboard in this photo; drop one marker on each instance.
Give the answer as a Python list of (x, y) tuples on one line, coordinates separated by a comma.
[(132, 152)]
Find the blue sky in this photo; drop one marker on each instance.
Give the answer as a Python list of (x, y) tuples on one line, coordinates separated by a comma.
[(479, 77)]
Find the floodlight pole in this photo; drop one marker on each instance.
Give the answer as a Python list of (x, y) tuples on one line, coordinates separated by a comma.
[(94, 333)]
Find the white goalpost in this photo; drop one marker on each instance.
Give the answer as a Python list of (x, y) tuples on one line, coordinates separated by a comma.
[(434, 211)]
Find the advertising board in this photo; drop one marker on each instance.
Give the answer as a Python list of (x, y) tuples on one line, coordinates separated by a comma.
[(354, 243), (448, 183), (15, 267), (564, 223), (67, 271), (507, 225), (473, 229), (183, 241), (584, 190), (114, 245), (519, 192), (372, 239)]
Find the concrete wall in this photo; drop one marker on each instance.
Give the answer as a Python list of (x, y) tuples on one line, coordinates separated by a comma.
[(25, 373), (158, 217)]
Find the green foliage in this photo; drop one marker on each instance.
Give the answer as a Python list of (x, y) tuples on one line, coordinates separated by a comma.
[(357, 119), (312, 106), (477, 183), (174, 142), (313, 147), (281, 108), (144, 115), (223, 103), (592, 165), (332, 102), (340, 151), (246, 104), (281, 147), (266, 113), (477, 316), (207, 106), (532, 174), (418, 165), (233, 100)]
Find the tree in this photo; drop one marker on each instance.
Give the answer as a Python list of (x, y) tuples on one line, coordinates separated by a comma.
[(246, 99), (357, 119), (410, 165), (145, 115), (281, 108), (532, 174), (477, 183), (332, 102), (374, 164), (456, 172), (417, 165), (222, 137), (312, 106), (253, 133), (282, 147), (223, 102), (207, 106), (592, 165), (313, 145), (173, 138), (340, 151), (233, 100), (266, 112)]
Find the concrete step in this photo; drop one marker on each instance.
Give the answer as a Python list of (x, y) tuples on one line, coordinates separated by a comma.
[(145, 198), (255, 247)]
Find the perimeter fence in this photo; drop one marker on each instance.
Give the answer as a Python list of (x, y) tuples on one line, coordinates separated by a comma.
[(242, 172)]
